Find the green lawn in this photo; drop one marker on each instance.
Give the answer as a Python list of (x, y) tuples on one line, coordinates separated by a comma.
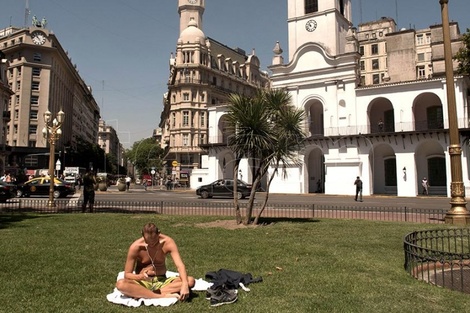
[(68, 263)]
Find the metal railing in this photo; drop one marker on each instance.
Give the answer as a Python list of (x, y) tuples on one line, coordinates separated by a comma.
[(273, 210), (440, 257)]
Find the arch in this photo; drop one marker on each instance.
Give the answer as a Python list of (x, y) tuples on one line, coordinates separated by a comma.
[(381, 115), (427, 112), (431, 163), (315, 118), (315, 171), (226, 164), (384, 169), (224, 131)]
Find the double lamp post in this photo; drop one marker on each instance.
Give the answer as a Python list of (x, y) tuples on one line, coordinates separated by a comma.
[(51, 132)]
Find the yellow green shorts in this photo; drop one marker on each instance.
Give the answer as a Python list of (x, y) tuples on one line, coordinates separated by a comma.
[(156, 283)]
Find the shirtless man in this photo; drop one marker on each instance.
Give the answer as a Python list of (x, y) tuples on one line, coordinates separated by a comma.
[(146, 258)]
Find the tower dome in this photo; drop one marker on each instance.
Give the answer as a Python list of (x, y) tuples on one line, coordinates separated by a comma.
[(192, 34)]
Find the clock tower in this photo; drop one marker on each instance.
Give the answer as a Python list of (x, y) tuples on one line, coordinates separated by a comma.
[(324, 22), (190, 10)]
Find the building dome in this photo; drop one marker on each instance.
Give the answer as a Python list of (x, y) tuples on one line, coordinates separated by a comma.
[(192, 34)]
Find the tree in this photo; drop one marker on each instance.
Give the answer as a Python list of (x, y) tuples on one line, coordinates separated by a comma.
[(145, 154), (268, 132), (463, 55)]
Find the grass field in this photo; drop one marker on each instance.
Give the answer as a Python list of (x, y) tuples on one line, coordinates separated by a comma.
[(68, 263)]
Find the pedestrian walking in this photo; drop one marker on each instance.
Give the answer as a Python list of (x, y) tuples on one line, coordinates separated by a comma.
[(358, 183), (128, 182), (425, 185)]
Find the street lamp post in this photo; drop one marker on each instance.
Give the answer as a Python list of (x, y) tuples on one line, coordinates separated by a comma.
[(51, 133), (458, 213)]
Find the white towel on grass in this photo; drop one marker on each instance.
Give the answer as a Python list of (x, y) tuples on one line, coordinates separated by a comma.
[(117, 297)]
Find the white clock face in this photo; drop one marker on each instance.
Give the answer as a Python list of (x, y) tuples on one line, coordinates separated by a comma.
[(192, 1), (38, 38), (311, 25)]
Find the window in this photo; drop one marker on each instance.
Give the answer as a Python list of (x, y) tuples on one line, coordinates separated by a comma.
[(186, 96), (420, 57), (35, 86), (419, 39), (361, 50), (203, 119), (435, 118), (203, 97), (173, 119), (34, 100), (203, 140), (428, 38), (185, 140), (33, 129), (37, 57), (375, 64), (375, 49), (390, 169), (32, 143), (363, 66), (36, 71), (311, 6), (437, 177), (185, 118), (363, 80), (376, 79), (420, 72), (33, 115)]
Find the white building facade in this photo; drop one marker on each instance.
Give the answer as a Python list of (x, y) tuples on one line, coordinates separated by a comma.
[(391, 132)]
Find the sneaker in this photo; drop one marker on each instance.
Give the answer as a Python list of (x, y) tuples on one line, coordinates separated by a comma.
[(210, 292), (223, 296)]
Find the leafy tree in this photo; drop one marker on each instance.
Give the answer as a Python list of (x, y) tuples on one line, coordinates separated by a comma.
[(463, 55), (268, 132), (145, 154)]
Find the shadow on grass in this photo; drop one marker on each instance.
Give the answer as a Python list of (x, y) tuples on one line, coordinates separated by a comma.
[(274, 220), (8, 220)]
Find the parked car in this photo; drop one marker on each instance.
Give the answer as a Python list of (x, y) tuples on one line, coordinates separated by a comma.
[(7, 191), (224, 188), (39, 186)]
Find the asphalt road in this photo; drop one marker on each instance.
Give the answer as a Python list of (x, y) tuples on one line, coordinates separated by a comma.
[(137, 193)]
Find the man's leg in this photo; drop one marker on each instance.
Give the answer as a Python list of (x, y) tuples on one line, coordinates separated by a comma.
[(132, 289), (175, 286)]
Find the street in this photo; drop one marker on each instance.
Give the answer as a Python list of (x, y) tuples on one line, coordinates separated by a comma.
[(137, 193)]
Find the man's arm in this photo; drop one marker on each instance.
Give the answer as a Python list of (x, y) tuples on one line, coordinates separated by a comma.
[(175, 255), (130, 264)]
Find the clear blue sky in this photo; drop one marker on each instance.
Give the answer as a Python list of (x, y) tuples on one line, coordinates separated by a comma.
[(122, 47)]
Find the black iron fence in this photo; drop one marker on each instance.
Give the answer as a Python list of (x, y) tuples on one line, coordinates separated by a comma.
[(440, 257), (276, 210)]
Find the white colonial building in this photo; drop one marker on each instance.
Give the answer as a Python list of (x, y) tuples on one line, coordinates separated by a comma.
[(375, 100)]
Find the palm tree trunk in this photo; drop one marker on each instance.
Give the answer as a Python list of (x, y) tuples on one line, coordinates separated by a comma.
[(238, 216), (256, 221)]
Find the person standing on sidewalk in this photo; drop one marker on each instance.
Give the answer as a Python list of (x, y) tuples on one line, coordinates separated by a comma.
[(358, 183), (425, 185), (89, 182)]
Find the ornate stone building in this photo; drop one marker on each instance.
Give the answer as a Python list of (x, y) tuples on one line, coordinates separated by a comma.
[(42, 77), (203, 72)]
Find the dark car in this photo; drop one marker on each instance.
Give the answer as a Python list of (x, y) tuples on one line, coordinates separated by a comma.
[(224, 188), (40, 187), (7, 191)]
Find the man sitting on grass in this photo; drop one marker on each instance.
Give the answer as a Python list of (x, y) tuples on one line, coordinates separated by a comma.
[(144, 272)]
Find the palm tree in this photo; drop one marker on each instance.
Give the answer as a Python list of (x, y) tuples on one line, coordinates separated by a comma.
[(287, 126), (267, 131)]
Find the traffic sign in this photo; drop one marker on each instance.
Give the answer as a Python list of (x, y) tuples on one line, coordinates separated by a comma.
[(174, 163)]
